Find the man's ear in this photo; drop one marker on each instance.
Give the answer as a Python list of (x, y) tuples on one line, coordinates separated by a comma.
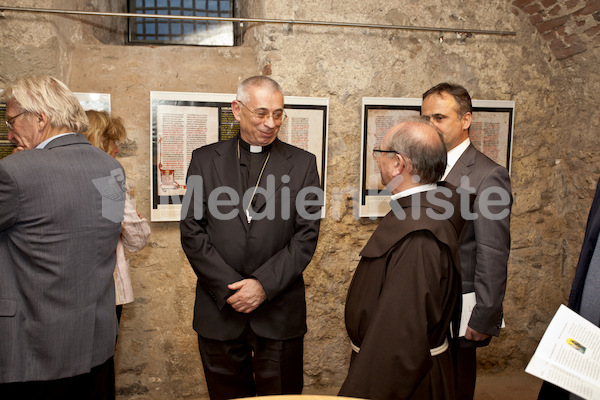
[(42, 121), (236, 109), (399, 165), (466, 121)]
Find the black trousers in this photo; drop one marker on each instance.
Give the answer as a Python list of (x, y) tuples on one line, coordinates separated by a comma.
[(466, 372), (251, 365), (98, 384)]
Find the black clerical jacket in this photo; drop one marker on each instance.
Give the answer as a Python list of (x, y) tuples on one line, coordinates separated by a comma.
[(222, 247)]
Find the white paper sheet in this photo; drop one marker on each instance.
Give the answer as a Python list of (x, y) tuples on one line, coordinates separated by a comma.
[(569, 355), (468, 303)]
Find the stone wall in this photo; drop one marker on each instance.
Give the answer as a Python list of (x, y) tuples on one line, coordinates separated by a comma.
[(569, 27), (549, 69)]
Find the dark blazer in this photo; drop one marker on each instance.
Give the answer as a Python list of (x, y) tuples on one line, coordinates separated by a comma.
[(548, 390), (275, 249), (587, 250), (57, 257), (484, 242)]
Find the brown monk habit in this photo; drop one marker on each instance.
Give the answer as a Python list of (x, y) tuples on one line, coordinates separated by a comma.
[(404, 294)]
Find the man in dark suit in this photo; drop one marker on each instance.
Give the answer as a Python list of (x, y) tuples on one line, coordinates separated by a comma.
[(249, 231), (62, 200), (585, 291), (485, 240)]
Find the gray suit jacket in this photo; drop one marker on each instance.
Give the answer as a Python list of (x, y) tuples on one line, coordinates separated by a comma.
[(485, 241), (57, 256)]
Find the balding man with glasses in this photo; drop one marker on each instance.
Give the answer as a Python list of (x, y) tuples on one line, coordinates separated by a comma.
[(403, 304), (248, 242)]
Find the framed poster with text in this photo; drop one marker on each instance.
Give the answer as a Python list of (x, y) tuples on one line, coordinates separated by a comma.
[(181, 122), (6, 147), (491, 133)]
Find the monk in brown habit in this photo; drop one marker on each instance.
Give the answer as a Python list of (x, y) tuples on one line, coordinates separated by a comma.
[(406, 289)]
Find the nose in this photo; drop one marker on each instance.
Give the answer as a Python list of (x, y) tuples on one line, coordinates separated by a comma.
[(269, 121), (11, 135)]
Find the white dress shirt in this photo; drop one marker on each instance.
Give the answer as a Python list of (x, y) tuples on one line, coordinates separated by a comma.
[(454, 155)]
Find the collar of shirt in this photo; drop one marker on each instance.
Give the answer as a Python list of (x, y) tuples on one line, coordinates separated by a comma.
[(454, 155), (413, 190), (45, 142), (252, 148)]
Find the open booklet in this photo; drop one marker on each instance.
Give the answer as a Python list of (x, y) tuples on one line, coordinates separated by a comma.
[(569, 354)]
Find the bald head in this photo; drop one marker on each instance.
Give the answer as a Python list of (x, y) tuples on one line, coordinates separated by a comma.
[(422, 146)]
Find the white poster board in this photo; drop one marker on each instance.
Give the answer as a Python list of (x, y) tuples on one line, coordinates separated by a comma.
[(491, 133), (181, 122), (94, 101)]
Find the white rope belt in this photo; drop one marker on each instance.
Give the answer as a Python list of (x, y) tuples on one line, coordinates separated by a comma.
[(440, 349), (434, 352)]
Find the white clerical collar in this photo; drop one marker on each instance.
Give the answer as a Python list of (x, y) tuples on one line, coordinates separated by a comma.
[(45, 142), (454, 155), (413, 190), (253, 149)]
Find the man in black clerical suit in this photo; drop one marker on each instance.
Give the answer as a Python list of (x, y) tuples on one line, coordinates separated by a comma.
[(249, 231)]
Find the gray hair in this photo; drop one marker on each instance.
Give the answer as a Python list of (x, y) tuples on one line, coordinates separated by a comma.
[(243, 92), (426, 153), (45, 94)]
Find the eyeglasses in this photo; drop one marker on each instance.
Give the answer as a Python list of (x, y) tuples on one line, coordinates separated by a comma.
[(9, 121), (377, 152), (278, 116)]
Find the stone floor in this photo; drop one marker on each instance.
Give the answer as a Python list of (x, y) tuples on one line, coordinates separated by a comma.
[(499, 386), (507, 386)]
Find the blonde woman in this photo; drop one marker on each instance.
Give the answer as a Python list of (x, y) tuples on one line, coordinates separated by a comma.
[(104, 132)]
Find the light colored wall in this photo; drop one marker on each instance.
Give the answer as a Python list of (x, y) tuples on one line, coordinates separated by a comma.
[(555, 148)]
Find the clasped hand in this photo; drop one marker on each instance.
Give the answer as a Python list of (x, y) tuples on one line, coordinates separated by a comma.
[(248, 296)]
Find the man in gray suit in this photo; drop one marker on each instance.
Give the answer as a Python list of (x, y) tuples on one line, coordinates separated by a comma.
[(485, 239), (61, 200)]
